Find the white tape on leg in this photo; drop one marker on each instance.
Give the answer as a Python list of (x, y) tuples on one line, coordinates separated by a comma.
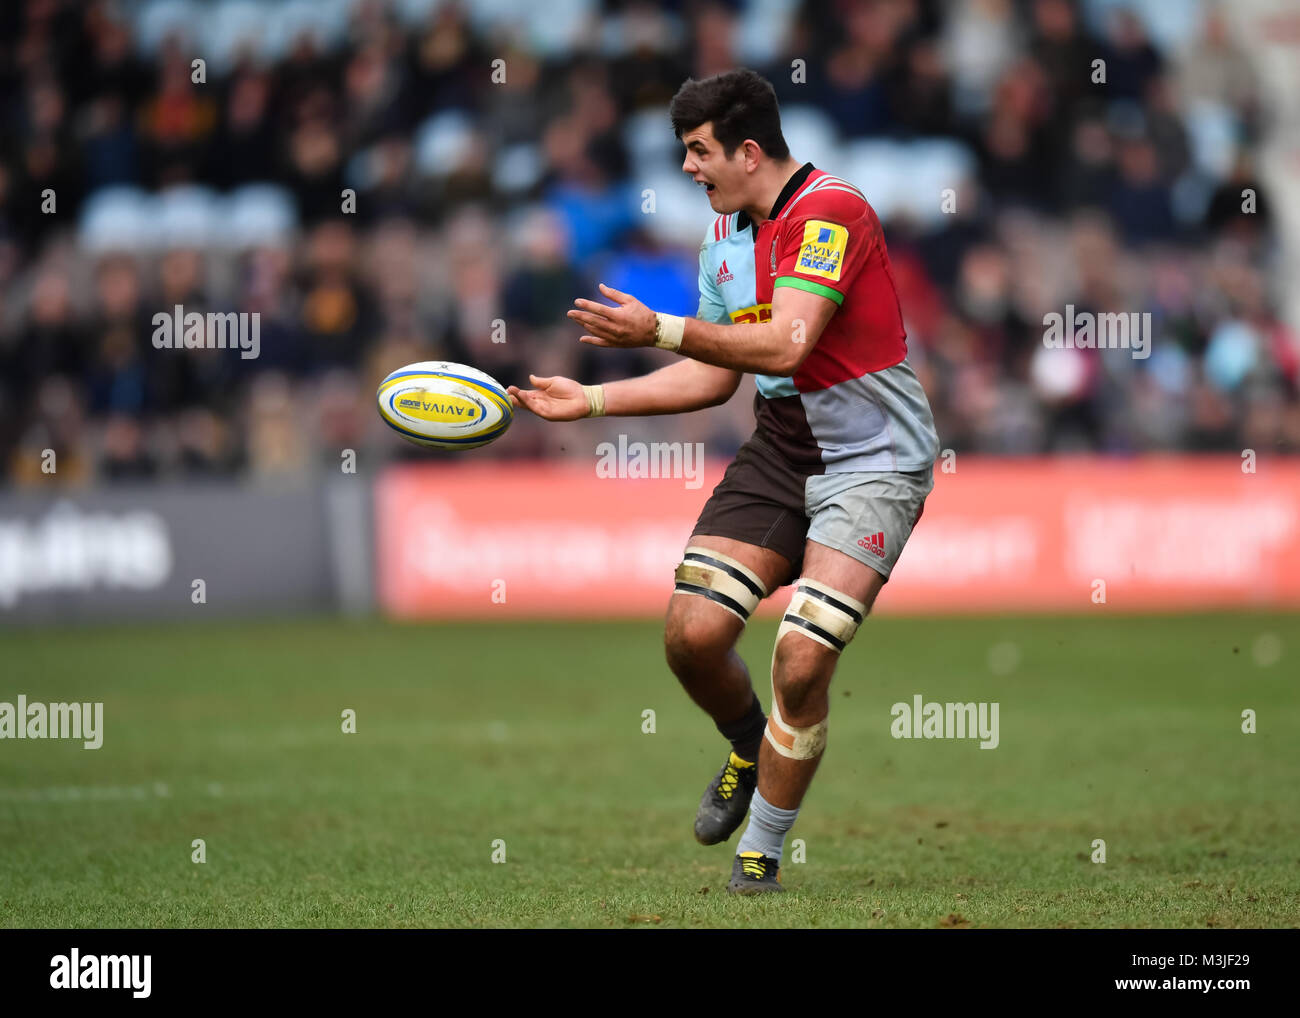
[(721, 579), (831, 618), (823, 614), (794, 743)]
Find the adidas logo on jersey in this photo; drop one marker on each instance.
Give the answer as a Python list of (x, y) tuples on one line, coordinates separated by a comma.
[(874, 543), (724, 274)]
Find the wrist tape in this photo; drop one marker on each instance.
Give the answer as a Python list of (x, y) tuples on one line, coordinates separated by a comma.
[(595, 400), (668, 331)]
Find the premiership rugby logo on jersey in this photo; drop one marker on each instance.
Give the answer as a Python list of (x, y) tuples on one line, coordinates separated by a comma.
[(822, 250)]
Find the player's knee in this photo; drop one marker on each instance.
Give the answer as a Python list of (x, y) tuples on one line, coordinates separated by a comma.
[(801, 675), (822, 615), (798, 733), (719, 579), (713, 597), (817, 626), (695, 637)]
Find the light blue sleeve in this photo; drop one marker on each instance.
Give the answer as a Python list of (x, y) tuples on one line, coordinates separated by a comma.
[(712, 309)]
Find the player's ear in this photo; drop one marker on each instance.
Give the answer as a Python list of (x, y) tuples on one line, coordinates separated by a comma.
[(753, 153)]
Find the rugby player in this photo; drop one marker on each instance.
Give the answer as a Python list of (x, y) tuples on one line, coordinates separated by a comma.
[(795, 287)]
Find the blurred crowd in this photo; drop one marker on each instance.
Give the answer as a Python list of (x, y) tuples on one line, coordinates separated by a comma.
[(386, 182)]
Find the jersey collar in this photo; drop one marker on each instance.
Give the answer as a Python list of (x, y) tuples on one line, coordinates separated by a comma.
[(791, 186)]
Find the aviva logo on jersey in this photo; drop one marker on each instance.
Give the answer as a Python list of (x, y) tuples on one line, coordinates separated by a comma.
[(822, 252)]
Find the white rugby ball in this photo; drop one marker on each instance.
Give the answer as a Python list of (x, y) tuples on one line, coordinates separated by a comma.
[(444, 405)]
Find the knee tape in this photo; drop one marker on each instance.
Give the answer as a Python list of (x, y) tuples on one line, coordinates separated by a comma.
[(823, 614), (831, 618), (795, 743), (721, 579)]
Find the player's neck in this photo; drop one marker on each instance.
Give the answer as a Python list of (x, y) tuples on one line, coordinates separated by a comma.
[(774, 177)]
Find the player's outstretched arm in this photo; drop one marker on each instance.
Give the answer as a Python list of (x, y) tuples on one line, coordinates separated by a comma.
[(554, 399), (775, 347), (678, 388)]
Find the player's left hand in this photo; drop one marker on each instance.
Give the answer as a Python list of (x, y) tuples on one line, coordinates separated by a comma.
[(629, 323)]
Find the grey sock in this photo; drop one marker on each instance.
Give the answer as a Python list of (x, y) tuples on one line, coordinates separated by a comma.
[(768, 826)]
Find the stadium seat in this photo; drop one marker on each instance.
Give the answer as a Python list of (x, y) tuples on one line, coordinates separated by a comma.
[(648, 135), (549, 29), (764, 28), (926, 167), (326, 21), (874, 166), (442, 142), (518, 168), (186, 216), (812, 136), (1212, 132), (116, 219), (681, 208), (258, 215), (157, 20), (232, 28)]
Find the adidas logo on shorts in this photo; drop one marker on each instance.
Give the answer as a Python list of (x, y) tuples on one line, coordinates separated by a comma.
[(874, 543)]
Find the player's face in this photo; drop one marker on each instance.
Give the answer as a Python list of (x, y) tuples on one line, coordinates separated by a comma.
[(724, 179)]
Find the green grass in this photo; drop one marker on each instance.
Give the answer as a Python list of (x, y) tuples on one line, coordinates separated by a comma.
[(1127, 730)]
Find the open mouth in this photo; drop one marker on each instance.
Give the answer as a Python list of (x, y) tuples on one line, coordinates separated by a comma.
[(706, 185)]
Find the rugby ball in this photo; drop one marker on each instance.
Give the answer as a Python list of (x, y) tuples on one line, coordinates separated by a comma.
[(444, 405)]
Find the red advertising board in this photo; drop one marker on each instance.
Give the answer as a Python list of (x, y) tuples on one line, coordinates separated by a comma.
[(1146, 534)]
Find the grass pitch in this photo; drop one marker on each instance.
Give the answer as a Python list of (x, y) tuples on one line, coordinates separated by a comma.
[(527, 739)]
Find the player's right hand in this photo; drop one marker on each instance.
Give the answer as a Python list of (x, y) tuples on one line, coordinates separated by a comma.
[(553, 399)]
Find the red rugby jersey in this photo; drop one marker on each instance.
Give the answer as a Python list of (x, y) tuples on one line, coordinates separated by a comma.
[(855, 403)]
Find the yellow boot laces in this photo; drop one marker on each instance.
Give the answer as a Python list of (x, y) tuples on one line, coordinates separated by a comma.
[(730, 777)]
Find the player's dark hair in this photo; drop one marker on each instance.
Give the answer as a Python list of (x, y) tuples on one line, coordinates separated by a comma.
[(741, 104)]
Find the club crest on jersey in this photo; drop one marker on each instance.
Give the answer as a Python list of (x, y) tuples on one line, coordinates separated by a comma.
[(822, 249), (724, 274)]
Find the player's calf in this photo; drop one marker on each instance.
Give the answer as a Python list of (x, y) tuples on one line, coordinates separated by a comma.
[(817, 626), (714, 596)]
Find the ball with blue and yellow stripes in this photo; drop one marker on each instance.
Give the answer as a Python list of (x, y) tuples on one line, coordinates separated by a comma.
[(444, 405)]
